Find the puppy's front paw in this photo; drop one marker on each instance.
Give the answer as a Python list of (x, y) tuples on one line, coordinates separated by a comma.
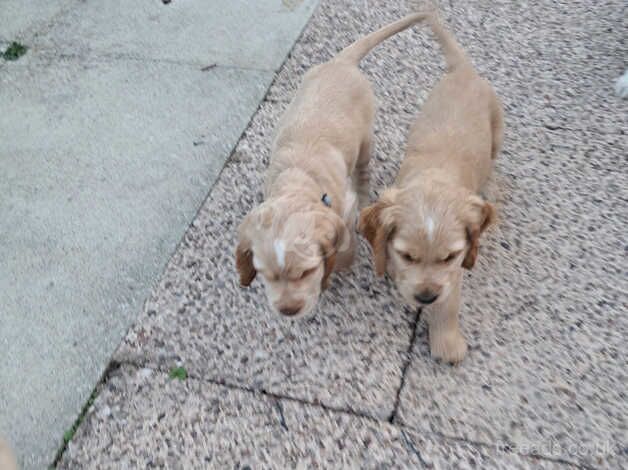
[(449, 347)]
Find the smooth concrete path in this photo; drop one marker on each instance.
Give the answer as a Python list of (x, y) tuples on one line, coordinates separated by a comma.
[(544, 310), (113, 128)]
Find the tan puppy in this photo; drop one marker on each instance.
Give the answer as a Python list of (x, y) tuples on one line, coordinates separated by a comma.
[(7, 459), (426, 228), (305, 229)]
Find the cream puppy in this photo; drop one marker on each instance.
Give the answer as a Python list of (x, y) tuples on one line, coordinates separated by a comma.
[(426, 228), (318, 173), (7, 459)]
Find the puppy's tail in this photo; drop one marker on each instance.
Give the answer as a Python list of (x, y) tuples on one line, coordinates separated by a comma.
[(455, 55), (356, 51)]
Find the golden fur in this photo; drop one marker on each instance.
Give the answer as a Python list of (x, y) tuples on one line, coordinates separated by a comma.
[(322, 147), (7, 459), (426, 228)]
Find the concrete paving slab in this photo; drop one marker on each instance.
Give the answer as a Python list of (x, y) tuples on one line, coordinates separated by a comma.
[(544, 312), (143, 419), (236, 33), (103, 167), (18, 18), (350, 355)]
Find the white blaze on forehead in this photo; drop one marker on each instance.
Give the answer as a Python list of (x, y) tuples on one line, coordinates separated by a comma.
[(280, 252), (429, 228)]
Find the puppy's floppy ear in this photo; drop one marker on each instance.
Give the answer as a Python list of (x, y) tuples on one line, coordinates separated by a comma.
[(377, 227), (333, 236), (479, 214), (243, 254)]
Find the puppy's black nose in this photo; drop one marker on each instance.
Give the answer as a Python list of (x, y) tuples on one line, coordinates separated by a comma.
[(426, 298), (289, 311)]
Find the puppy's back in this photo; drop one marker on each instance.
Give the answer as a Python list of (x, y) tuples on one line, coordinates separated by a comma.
[(459, 126)]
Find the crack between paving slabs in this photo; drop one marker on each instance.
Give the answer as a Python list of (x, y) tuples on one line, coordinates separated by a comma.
[(112, 366), (406, 365), (282, 418), (255, 391), (202, 66), (392, 419), (115, 365), (410, 445), (559, 129), (486, 445)]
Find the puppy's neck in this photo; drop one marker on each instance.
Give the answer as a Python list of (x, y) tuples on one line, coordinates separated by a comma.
[(437, 176), (295, 181), (456, 168), (308, 173)]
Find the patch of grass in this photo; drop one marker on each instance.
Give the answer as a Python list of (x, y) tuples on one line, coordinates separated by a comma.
[(69, 434), (178, 373), (14, 51)]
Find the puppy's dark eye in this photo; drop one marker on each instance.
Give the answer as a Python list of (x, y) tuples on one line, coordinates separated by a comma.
[(407, 257), (450, 257)]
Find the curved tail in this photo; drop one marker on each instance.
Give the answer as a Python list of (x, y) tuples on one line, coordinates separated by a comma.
[(356, 51), (454, 54)]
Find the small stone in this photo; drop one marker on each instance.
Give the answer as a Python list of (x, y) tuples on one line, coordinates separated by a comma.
[(104, 413)]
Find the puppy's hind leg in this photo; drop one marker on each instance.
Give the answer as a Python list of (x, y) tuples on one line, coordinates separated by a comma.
[(497, 126), (356, 197), (346, 256), (362, 175)]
